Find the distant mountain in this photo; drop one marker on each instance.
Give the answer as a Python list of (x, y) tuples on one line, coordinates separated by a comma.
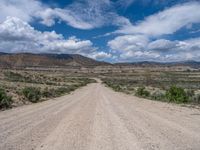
[(46, 60), (23, 60), (192, 64)]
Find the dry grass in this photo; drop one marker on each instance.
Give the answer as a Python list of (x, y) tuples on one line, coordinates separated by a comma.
[(156, 83), (49, 83)]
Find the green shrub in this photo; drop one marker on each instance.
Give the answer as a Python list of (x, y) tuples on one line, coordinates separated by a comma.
[(158, 95), (195, 99), (16, 77), (61, 91), (117, 87), (5, 100), (32, 94), (177, 95), (48, 92), (198, 98), (141, 91), (191, 96), (58, 91), (190, 93), (114, 85)]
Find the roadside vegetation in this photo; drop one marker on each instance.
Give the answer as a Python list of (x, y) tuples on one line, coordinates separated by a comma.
[(19, 87), (141, 91), (175, 87), (32, 94), (5, 100)]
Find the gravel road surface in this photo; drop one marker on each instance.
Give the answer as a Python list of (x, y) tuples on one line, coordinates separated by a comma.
[(97, 118)]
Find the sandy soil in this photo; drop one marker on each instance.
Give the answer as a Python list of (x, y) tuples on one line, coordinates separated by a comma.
[(97, 118)]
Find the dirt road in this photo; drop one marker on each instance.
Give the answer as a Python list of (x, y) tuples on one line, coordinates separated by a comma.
[(97, 118)]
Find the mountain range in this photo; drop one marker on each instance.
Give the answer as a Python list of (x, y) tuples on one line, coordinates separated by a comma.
[(8, 60), (22, 60)]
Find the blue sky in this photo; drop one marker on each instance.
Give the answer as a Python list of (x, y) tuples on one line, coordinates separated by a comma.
[(109, 30)]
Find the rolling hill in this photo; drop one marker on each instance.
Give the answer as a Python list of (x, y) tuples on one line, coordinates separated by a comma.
[(46, 60)]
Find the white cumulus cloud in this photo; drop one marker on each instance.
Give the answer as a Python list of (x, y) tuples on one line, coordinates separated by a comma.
[(101, 55), (18, 36), (144, 40), (22, 9), (81, 14), (137, 47), (128, 42), (166, 22)]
